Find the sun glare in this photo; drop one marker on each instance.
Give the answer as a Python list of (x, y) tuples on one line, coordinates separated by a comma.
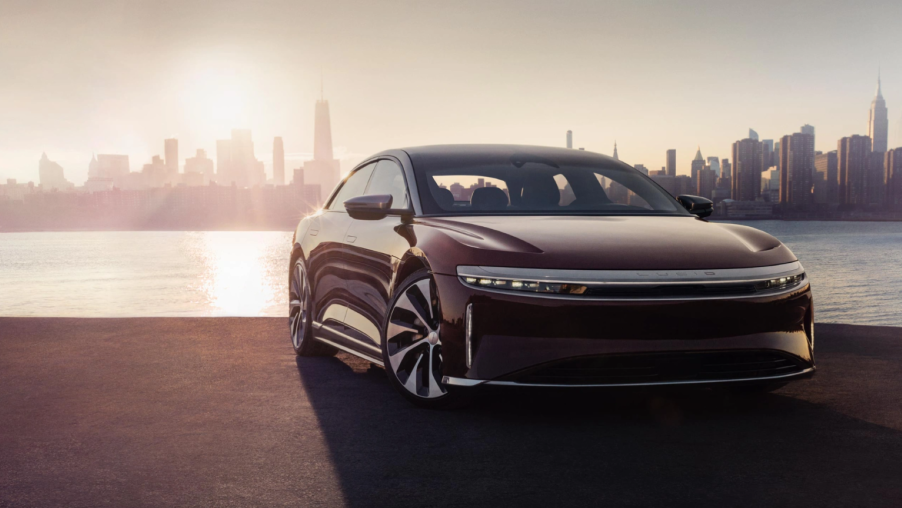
[(216, 99)]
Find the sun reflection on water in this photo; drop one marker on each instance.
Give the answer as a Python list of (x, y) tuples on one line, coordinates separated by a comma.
[(243, 274)]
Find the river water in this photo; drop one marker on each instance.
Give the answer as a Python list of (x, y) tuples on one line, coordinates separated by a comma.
[(855, 270)]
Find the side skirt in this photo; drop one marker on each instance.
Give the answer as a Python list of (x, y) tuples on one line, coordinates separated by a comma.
[(338, 340)]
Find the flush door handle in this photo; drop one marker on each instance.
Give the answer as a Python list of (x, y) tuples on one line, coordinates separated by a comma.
[(351, 239)]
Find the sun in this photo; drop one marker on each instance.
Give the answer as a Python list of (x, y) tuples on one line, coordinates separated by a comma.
[(215, 99)]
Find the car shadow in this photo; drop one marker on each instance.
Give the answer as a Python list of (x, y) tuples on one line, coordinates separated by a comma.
[(592, 448)]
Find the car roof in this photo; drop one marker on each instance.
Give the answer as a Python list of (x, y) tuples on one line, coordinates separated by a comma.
[(498, 151)]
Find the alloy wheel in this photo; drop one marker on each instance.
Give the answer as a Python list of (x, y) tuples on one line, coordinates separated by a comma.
[(299, 295), (413, 346)]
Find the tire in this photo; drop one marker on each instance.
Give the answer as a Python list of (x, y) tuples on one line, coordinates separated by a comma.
[(410, 337), (299, 313)]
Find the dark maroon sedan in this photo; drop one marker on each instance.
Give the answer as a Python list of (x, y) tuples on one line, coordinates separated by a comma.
[(469, 265)]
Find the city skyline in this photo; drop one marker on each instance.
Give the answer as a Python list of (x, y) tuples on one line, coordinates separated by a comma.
[(100, 77)]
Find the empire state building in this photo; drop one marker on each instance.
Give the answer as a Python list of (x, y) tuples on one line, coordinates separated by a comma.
[(877, 124)]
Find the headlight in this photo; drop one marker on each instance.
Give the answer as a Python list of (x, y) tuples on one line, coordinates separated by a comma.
[(780, 283), (528, 286)]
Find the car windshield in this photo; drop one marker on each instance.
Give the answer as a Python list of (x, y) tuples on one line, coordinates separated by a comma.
[(531, 185)]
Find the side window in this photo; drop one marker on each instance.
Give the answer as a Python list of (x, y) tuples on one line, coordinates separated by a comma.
[(388, 179), (353, 187)]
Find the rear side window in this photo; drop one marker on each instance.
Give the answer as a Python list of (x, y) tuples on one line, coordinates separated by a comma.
[(388, 179), (353, 187)]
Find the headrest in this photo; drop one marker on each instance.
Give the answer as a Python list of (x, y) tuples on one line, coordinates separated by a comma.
[(541, 194), (488, 198), (443, 197)]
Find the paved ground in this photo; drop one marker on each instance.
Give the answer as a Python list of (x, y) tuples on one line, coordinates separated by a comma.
[(219, 412)]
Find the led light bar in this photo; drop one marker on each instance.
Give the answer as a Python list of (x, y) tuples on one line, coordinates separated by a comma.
[(563, 288), (780, 283), (528, 286)]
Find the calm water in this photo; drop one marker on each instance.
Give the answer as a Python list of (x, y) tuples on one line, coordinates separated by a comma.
[(855, 268)]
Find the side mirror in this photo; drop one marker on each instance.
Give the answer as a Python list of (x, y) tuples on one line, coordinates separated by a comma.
[(697, 205), (370, 207)]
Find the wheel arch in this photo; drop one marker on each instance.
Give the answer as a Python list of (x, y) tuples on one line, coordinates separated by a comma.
[(413, 260)]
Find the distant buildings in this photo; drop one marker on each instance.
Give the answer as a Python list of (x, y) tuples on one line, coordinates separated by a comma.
[(223, 161), (616, 157), (569, 139), (753, 135), (641, 168), (706, 181), (877, 122), (199, 170), (698, 164), (671, 162), (324, 170), (278, 162), (852, 154), (893, 164), (767, 153), (827, 169), (797, 173), (50, 175), (714, 163), (747, 168), (155, 173), (171, 153)]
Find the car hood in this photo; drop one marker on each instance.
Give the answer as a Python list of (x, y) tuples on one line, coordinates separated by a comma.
[(600, 243)]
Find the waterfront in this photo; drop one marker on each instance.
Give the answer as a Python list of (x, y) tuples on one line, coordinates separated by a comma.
[(855, 268)]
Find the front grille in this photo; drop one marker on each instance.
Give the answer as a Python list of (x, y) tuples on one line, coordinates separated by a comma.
[(663, 368)]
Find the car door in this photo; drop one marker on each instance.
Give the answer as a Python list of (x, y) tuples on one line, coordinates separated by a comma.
[(324, 244), (374, 249)]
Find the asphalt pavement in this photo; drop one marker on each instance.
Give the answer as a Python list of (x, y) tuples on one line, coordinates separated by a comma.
[(220, 412)]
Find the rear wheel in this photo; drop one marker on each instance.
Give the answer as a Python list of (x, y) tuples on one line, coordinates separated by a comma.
[(299, 317), (412, 346)]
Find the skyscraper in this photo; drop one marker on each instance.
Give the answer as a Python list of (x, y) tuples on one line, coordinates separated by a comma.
[(878, 123), (278, 162), (797, 175), (826, 164), (198, 169), (242, 163), (171, 154), (569, 139), (706, 182), (714, 162), (671, 162), (893, 167), (615, 151), (224, 161), (746, 170), (726, 169), (767, 153), (51, 175), (852, 154), (698, 164), (323, 170), (753, 135)]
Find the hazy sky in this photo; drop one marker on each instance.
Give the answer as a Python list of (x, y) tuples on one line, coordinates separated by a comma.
[(78, 77)]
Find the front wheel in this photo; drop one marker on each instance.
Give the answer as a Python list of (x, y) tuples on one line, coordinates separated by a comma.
[(299, 317), (412, 346)]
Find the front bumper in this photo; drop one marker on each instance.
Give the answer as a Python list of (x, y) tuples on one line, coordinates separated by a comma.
[(517, 339)]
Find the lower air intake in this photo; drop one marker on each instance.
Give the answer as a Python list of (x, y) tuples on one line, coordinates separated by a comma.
[(662, 368)]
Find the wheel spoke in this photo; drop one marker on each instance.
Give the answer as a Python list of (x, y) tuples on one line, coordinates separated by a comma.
[(424, 287), (399, 356), (395, 329), (411, 383), (407, 302), (435, 389)]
